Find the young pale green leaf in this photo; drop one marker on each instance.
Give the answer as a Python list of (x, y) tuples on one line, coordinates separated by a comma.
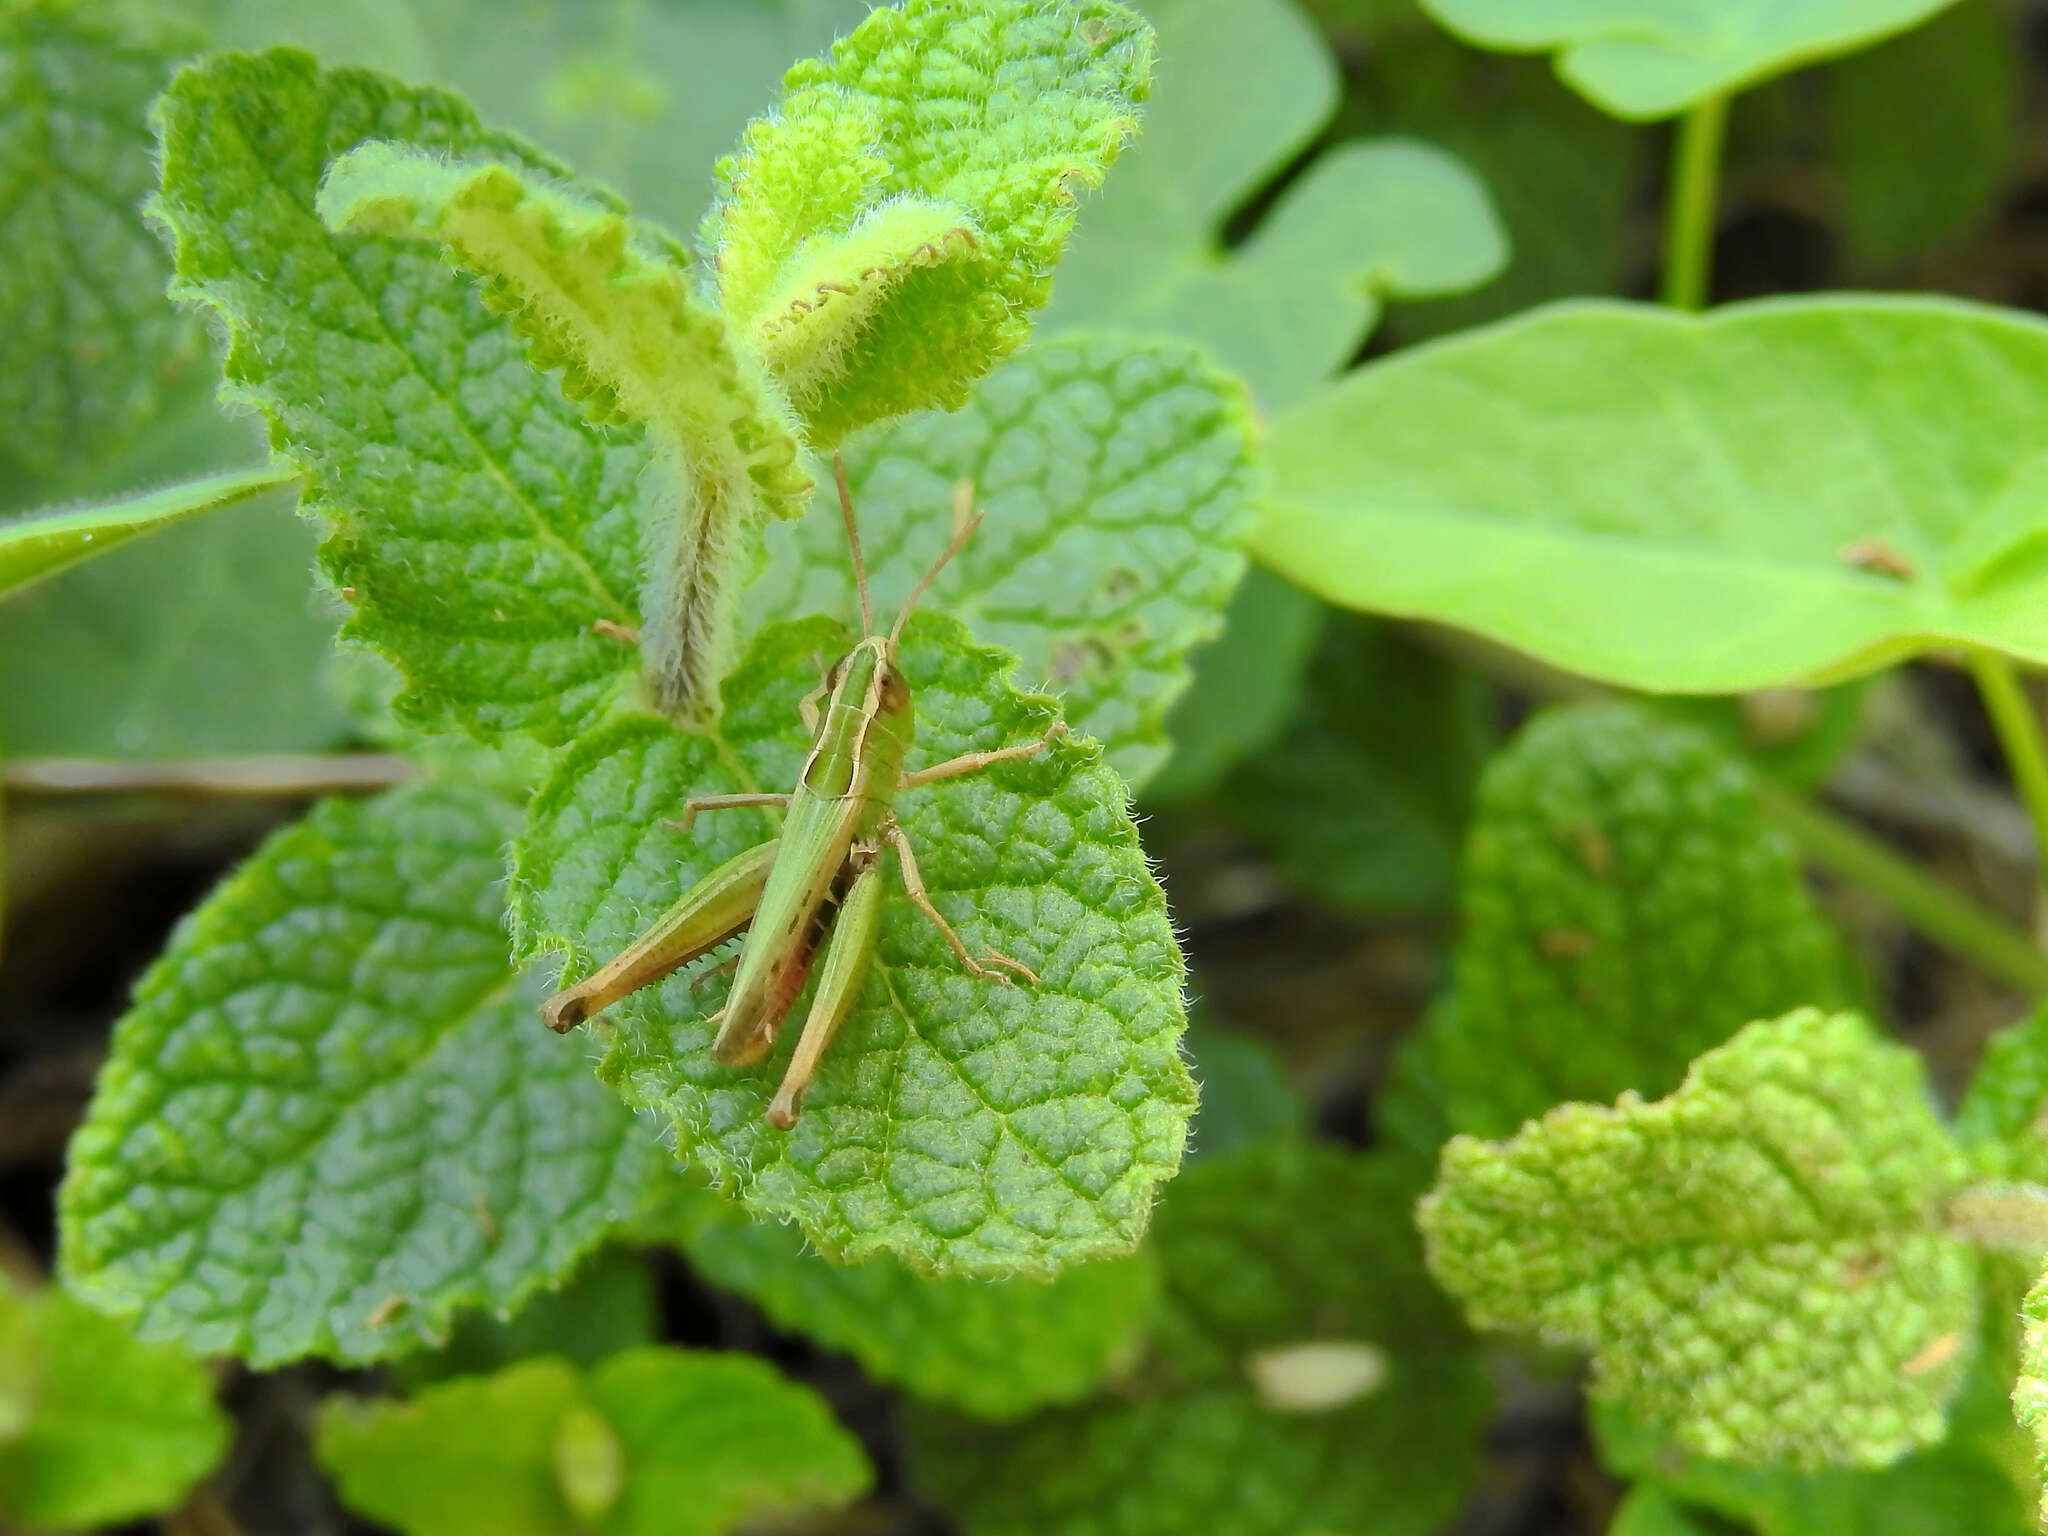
[(330, 1117), (102, 1429), (609, 302), (1246, 687), (1838, 482), (966, 1125), (43, 544), (1646, 59), (1911, 180), (652, 1442), (88, 349), (1755, 1261), (480, 522), (1966, 1483), (1305, 1377), (995, 1350), (1364, 223), (1626, 907), (885, 235), (1117, 477), (1364, 798)]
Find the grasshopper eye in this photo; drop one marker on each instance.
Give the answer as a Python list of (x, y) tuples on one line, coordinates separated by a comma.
[(895, 693)]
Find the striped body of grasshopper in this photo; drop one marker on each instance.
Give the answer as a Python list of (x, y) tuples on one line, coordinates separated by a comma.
[(816, 890)]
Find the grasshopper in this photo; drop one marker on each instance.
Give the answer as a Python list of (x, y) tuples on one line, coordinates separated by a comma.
[(816, 889)]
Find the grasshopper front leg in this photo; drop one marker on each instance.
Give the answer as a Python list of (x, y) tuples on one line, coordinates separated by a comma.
[(913, 887), (698, 803)]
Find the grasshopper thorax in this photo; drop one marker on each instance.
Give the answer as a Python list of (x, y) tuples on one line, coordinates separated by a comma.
[(867, 726)]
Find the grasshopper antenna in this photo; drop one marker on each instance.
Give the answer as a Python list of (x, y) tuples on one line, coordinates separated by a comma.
[(965, 521), (860, 568)]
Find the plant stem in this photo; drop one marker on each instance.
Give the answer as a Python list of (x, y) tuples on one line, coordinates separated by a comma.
[(2019, 734), (1937, 911), (1691, 203)]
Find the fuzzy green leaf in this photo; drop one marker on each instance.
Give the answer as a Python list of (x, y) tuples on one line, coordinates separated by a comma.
[(104, 1429), (1840, 482), (884, 236), (1626, 907), (330, 1117), (1276, 1259), (1650, 58), (1364, 798), (1966, 1483), (995, 1350), (40, 545), (965, 1125), (653, 1442), (88, 350), (2003, 1119), (609, 302), (1117, 478), (1755, 1260), (2030, 1390), (1364, 223), (481, 522)]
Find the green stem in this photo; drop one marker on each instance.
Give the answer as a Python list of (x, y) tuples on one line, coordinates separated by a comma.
[(1937, 911), (2019, 735), (1691, 203)]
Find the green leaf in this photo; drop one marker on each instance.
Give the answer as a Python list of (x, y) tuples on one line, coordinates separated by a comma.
[(1839, 482), (481, 521), (653, 1442), (2003, 1119), (1364, 798), (330, 1117), (1626, 907), (1963, 1484), (88, 350), (201, 640), (1651, 58), (1364, 223), (1247, 1098), (606, 1306), (609, 302), (966, 1126), (43, 544), (1246, 686), (1911, 180), (885, 234), (994, 1350), (1754, 1260), (1117, 478), (104, 1429), (1277, 1261)]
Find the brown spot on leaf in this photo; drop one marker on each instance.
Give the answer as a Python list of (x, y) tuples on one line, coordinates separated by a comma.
[(1879, 556)]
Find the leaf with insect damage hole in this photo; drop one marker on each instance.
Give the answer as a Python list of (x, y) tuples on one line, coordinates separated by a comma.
[(966, 1125), (650, 1442), (1305, 1375), (95, 1428), (609, 301), (330, 1119), (1756, 1261), (479, 521), (89, 351), (885, 234), (1117, 477), (993, 1349), (1626, 906)]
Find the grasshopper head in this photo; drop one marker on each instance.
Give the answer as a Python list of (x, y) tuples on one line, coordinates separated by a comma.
[(867, 681)]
